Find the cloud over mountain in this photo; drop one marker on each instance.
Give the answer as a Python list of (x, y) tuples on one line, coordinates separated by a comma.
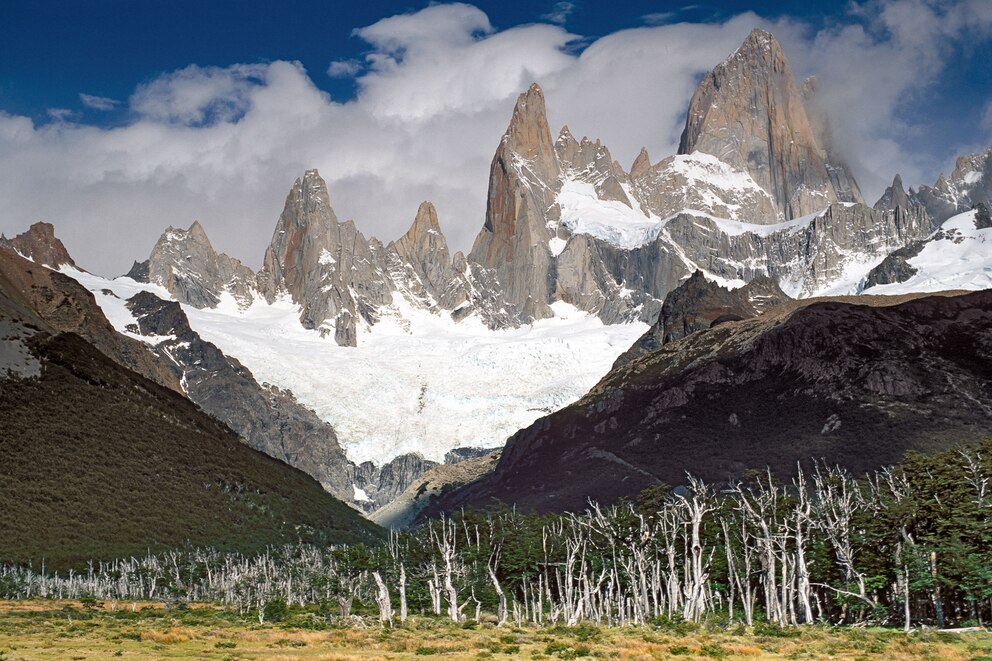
[(222, 144)]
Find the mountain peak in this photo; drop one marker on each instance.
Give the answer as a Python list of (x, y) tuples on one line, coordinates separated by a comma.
[(641, 164), (528, 134), (749, 113), (40, 245)]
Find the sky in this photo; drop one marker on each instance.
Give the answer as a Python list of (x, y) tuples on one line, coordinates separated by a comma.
[(119, 118)]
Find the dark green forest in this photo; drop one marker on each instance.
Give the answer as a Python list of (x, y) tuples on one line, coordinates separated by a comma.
[(907, 546)]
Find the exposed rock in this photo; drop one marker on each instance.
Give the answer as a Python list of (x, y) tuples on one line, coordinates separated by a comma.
[(970, 184), (805, 380), (592, 163), (702, 182), (698, 304), (894, 196), (39, 244), (523, 181), (139, 271), (895, 267), (983, 216), (330, 269), (403, 511), (185, 263), (269, 419), (458, 455), (58, 304), (640, 165), (382, 484), (803, 258), (749, 113)]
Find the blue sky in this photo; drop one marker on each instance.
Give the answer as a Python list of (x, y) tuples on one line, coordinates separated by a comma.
[(119, 117)]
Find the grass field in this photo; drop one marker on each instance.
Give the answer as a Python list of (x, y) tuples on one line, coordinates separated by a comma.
[(46, 629)]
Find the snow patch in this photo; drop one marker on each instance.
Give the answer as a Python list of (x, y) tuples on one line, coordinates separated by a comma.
[(614, 222), (957, 256)]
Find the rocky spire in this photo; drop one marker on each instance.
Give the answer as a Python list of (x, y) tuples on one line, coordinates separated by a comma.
[(425, 251), (40, 245), (641, 164), (523, 182), (894, 196), (749, 112), (329, 268)]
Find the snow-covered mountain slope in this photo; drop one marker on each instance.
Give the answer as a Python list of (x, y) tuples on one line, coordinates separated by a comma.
[(957, 256), (417, 381)]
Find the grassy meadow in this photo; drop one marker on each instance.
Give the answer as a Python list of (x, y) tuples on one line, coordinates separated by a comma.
[(47, 629)]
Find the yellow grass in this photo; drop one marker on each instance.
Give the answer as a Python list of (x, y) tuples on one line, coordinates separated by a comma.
[(43, 629)]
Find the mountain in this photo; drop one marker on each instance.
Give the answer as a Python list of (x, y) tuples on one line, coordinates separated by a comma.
[(970, 183), (101, 462), (749, 113), (856, 381), (698, 304), (573, 262), (39, 244)]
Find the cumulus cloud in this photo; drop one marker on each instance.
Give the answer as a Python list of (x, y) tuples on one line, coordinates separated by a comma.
[(343, 68), (435, 93), (98, 102)]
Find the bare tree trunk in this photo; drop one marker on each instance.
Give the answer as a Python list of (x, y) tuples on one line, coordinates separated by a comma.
[(382, 600)]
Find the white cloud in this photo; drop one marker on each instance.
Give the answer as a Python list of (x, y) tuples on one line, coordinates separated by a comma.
[(343, 68), (98, 102), (197, 95), (560, 12), (224, 144)]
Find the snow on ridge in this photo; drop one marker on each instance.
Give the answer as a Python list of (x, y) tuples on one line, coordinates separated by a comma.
[(112, 295), (583, 212), (957, 256)]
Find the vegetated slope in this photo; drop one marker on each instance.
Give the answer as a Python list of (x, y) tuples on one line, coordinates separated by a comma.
[(98, 461), (854, 384)]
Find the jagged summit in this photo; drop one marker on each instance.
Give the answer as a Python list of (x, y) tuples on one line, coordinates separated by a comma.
[(39, 244), (528, 135), (749, 113), (641, 164), (185, 263), (894, 196)]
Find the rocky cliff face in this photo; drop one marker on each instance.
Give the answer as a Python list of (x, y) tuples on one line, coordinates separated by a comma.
[(969, 184), (40, 245), (268, 418), (749, 113), (860, 380), (58, 304), (186, 264), (698, 304), (523, 181), (337, 276)]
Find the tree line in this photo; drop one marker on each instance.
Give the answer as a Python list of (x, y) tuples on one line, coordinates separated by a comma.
[(906, 546)]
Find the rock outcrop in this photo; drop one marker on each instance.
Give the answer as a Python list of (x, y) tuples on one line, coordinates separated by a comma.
[(698, 304), (749, 113), (186, 264), (337, 276), (40, 245), (56, 303), (894, 196), (969, 184)]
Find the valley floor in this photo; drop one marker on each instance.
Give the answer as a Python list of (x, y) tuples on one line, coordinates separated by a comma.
[(47, 629)]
